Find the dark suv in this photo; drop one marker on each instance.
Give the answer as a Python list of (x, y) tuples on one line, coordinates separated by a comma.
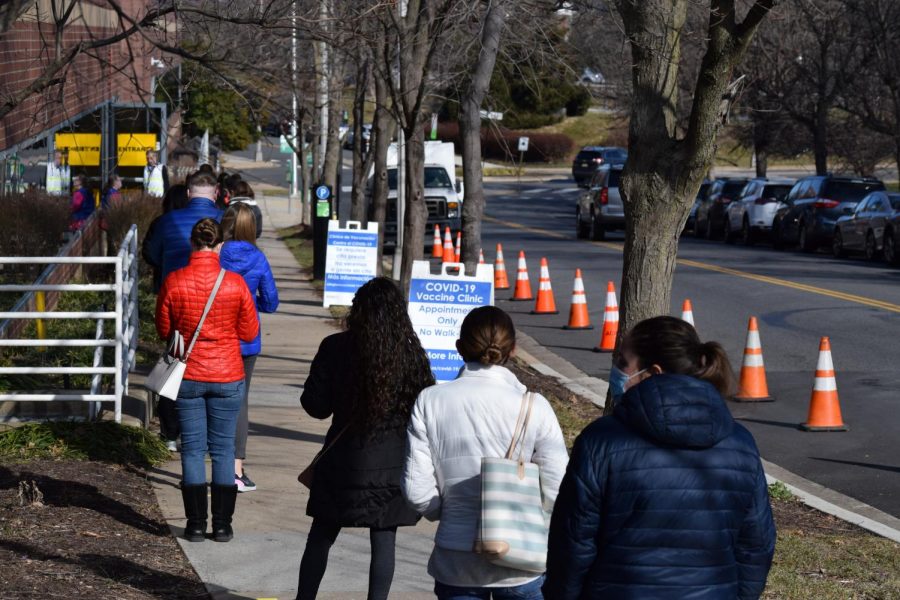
[(710, 221), (813, 206), (586, 162)]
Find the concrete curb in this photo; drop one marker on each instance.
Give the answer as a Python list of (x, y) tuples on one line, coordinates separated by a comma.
[(809, 492)]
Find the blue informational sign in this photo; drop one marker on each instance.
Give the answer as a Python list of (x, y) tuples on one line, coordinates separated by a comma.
[(437, 306), (350, 261), (323, 192)]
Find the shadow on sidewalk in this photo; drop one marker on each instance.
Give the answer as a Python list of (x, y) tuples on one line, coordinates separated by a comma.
[(261, 430)]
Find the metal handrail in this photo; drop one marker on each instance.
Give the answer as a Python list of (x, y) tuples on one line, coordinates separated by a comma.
[(124, 341)]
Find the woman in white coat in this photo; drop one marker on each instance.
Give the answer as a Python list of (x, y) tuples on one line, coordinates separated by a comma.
[(451, 428)]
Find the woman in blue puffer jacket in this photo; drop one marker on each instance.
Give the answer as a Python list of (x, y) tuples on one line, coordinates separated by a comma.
[(665, 498), (240, 254)]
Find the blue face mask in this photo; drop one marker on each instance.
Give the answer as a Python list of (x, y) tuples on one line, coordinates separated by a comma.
[(618, 380)]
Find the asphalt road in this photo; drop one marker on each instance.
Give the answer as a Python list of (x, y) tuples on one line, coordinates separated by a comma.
[(797, 298)]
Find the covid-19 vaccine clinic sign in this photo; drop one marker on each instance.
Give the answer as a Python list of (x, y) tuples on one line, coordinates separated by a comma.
[(437, 306)]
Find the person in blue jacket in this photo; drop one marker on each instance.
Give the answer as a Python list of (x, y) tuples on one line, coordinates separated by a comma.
[(240, 254), (666, 497), (169, 246)]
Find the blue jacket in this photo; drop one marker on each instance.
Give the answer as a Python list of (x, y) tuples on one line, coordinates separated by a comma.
[(249, 262), (666, 498), (169, 247)]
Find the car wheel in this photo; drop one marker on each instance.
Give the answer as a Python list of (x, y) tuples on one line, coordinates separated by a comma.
[(597, 232), (837, 245), (708, 230), (890, 248), (871, 247), (581, 230), (777, 241), (726, 231), (746, 233), (807, 244)]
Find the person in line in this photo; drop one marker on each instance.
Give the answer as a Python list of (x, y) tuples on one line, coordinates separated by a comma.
[(211, 392), (451, 428), (112, 192), (223, 196), (367, 378), (240, 255), (170, 247), (57, 182), (82, 205), (666, 497), (241, 192), (156, 176)]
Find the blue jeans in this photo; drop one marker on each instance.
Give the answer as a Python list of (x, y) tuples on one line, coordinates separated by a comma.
[(527, 591), (207, 413)]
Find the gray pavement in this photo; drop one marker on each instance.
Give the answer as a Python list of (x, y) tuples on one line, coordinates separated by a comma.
[(270, 523)]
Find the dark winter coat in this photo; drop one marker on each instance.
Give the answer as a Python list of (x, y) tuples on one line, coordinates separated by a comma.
[(250, 262), (357, 481), (665, 499), (169, 247)]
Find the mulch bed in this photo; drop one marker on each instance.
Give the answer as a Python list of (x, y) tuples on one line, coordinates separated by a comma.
[(97, 533)]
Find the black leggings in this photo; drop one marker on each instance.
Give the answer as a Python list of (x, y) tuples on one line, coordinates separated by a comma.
[(315, 559)]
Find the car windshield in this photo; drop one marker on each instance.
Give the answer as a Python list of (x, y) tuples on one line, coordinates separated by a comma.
[(732, 189), (895, 201), (435, 177), (616, 154), (614, 176), (776, 191), (392, 179), (847, 190), (703, 189)]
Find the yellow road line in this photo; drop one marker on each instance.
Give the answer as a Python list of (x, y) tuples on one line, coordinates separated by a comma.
[(880, 304)]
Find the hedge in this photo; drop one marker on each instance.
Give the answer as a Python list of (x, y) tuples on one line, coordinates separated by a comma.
[(502, 143)]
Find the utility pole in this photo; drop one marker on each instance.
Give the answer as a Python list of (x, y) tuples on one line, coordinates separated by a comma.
[(323, 75), (397, 267), (297, 144)]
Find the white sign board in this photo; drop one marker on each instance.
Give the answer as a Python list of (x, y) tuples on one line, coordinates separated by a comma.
[(491, 115), (523, 144), (437, 306), (350, 260)]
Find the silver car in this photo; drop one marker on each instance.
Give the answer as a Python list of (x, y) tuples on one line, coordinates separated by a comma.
[(752, 214), (600, 209), (863, 230)]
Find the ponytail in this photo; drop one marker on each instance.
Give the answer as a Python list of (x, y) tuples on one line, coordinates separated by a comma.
[(715, 368)]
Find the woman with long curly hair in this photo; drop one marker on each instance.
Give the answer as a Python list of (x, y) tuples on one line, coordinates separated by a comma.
[(367, 378)]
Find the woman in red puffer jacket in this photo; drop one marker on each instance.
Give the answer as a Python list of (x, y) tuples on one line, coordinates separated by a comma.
[(213, 387)]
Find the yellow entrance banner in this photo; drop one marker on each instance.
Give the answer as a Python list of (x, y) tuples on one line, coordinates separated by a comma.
[(83, 148), (132, 148)]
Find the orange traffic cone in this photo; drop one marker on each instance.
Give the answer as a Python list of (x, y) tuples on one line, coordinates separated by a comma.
[(687, 311), (501, 281), (437, 249), (753, 373), (824, 407), (449, 255), (523, 286), (546, 303), (458, 250), (610, 321), (480, 256), (578, 311)]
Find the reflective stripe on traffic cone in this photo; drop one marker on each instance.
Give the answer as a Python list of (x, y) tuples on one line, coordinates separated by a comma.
[(523, 285), (449, 253), (480, 256), (457, 252), (546, 303), (753, 386), (824, 406), (437, 249), (501, 281), (610, 321), (687, 311), (578, 311)]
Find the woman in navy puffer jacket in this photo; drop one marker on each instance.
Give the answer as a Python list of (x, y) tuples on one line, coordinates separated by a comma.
[(667, 497), (240, 254)]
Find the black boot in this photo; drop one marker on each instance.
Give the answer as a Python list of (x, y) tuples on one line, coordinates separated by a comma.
[(223, 497), (194, 497)]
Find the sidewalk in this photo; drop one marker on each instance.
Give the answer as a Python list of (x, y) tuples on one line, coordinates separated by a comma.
[(271, 524)]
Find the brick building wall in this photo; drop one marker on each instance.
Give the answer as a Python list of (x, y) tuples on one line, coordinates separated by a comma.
[(120, 70)]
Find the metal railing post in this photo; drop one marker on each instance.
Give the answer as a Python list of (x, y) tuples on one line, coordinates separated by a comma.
[(119, 339)]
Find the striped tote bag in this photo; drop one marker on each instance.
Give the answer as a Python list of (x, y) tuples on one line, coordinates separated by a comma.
[(513, 528)]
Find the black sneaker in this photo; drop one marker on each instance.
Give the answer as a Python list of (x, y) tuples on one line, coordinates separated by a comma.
[(244, 483)]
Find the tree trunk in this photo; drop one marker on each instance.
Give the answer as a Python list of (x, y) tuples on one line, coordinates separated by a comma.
[(897, 153), (332, 163), (820, 138), (416, 212), (362, 160), (382, 132), (470, 133), (762, 161)]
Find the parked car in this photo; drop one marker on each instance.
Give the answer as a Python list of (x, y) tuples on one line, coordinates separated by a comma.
[(751, 215), (866, 230), (691, 222), (601, 209), (710, 221), (591, 157), (813, 206), (366, 138)]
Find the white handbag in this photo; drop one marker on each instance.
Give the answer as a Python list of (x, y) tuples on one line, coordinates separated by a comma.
[(165, 378), (513, 527)]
